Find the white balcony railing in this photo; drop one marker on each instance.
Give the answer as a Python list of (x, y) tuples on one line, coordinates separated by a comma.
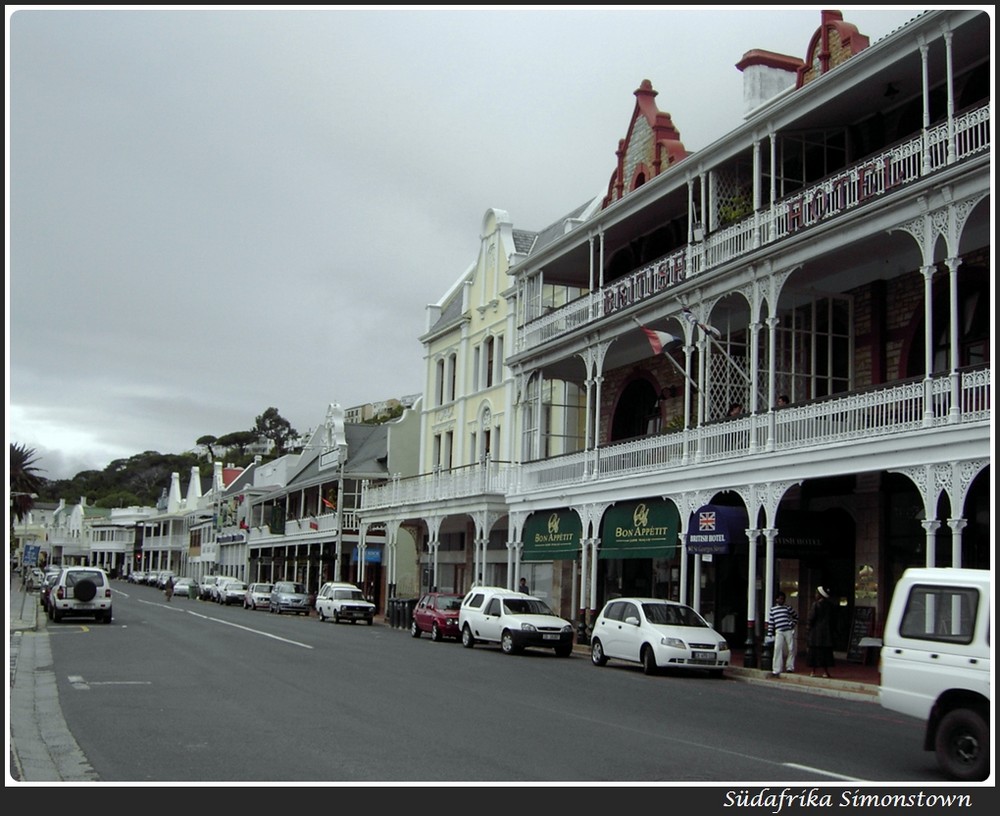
[(895, 167)]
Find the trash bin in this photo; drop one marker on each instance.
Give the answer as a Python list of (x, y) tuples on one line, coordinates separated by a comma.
[(392, 612), (407, 605)]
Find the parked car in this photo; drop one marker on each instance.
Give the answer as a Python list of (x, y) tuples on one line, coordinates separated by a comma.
[(232, 592), (33, 580), (289, 596), (657, 634), (258, 596), (137, 577), (205, 587), (81, 591), (437, 613), (514, 620), (342, 601), (43, 594), (163, 576), (186, 587), (215, 593), (935, 663)]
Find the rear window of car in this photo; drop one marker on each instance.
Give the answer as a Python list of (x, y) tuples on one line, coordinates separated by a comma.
[(73, 578), (940, 613)]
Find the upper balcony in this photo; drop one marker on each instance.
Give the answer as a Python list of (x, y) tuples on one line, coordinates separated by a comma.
[(903, 165)]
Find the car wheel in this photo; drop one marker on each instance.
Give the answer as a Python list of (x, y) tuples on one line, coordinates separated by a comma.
[(468, 641), (57, 615), (85, 590), (436, 633), (507, 642), (336, 618), (717, 674), (414, 629), (106, 617), (50, 612), (962, 745), (648, 660), (322, 615), (597, 656), (371, 621)]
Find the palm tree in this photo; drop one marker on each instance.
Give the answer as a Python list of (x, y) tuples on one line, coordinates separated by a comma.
[(25, 482)]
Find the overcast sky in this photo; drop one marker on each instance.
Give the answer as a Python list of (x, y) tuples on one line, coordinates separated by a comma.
[(212, 212)]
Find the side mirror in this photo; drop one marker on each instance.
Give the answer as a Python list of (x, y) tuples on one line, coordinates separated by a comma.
[(632, 620)]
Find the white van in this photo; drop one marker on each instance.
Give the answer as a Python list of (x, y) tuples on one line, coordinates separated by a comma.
[(935, 663)]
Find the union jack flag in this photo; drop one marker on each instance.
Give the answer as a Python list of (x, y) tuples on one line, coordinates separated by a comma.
[(706, 521)]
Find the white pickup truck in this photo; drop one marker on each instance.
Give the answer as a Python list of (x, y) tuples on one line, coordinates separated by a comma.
[(935, 663)]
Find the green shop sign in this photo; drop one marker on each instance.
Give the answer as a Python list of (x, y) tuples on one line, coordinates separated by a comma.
[(643, 529), (552, 536)]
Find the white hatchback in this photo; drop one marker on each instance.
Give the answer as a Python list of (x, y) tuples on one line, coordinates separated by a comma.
[(658, 634), (512, 619)]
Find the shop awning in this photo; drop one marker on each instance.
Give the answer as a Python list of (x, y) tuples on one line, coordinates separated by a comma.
[(643, 529), (552, 536), (715, 528)]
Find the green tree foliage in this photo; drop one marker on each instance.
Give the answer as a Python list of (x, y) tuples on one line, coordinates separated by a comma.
[(237, 439), (208, 440), (138, 480), (25, 480), (275, 427)]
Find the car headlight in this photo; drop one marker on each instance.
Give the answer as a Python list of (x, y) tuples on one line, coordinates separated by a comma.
[(672, 642), (723, 646), (528, 627), (567, 629)]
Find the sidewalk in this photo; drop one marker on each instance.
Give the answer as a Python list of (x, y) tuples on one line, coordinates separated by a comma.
[(41, 747)]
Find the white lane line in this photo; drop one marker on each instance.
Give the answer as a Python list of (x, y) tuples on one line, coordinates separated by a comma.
[(832, 775), (229, 623), (252, 631)]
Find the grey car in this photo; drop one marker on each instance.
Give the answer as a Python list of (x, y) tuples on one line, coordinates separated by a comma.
[(289, 596)]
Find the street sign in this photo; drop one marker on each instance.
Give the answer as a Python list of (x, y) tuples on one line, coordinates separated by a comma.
[(31, 554)]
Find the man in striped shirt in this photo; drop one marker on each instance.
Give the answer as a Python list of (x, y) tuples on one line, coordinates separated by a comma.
[(781, 622)]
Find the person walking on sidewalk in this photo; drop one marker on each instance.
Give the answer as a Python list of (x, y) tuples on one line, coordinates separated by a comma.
[(781, 622), (820, 639)]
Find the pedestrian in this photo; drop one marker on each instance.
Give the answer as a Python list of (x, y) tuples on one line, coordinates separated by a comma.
[(735, 410), (168, 590), (783, 401), (781, 622), (819, 652), (523, 586)]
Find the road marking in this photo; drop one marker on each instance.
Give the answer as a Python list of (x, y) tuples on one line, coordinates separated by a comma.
[(82, 685), (832, 775), (228, 623)]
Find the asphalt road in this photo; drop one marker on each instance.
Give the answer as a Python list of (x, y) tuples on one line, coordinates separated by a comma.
[(194, 692)]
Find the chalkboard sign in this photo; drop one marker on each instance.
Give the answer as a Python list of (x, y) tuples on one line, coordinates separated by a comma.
[(861, 626)]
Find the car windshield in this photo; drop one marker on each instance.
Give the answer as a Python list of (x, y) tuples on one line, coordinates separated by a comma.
[(525, 606), (296, 588), (671, 615), (348, 594), (451, 604), (261, 587)]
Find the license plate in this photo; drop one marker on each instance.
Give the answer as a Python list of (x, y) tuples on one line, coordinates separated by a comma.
[(550, 637), (703, 657), (86, 606)]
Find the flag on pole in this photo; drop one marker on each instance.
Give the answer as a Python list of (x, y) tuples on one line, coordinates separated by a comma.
[(328, 503), (689, 316), (659, 340)]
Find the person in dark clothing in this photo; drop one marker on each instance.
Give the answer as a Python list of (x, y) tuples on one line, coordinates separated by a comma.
[(819, 651)]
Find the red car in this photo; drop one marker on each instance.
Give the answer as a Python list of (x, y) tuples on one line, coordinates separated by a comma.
[(437, 613)]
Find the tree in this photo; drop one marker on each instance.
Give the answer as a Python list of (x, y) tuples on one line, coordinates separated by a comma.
[(275, 427), (237, 439), (25, 481), (208, 440)]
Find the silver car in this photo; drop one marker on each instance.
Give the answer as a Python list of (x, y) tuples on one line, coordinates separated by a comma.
[(289, 596)]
